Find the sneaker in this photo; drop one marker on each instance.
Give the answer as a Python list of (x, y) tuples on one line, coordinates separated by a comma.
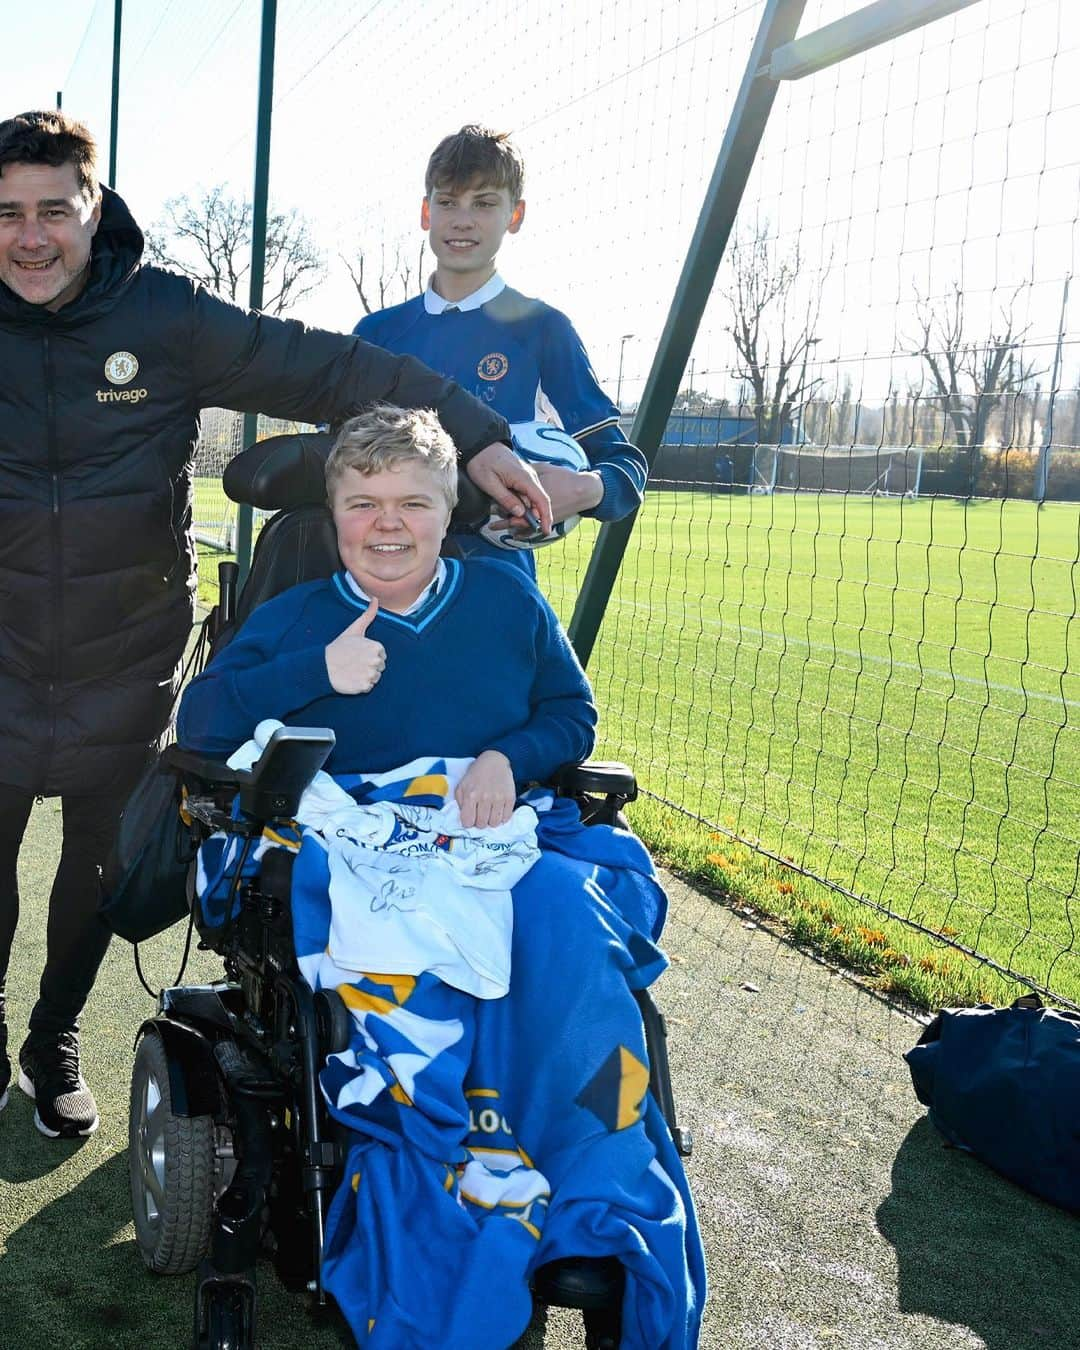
[(49, 1073)]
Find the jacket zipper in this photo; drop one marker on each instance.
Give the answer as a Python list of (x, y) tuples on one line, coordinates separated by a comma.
[(57, 617)]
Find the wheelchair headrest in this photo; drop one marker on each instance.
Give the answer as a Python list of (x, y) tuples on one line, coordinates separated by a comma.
[(280, 473), (285, 472)]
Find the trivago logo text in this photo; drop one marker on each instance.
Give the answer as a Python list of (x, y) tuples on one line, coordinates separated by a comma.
[(121, 368)]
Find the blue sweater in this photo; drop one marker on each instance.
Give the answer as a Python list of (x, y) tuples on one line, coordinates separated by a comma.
[(517, 355), (482, 665), (521, 357)]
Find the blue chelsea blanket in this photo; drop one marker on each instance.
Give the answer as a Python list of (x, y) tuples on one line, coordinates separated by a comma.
[(493, 1134)]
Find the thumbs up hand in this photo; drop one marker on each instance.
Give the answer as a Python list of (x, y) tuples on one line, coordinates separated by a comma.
[(354, 661)]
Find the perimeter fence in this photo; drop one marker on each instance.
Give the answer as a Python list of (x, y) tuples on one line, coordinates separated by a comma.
[(844, 630)]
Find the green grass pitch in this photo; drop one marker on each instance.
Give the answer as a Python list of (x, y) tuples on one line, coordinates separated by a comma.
[(885, 690)]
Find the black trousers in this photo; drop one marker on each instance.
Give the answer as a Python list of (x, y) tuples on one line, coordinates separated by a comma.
[(76, 937)]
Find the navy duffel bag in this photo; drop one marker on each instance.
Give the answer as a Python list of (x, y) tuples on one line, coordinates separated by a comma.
[(1004, 1083)]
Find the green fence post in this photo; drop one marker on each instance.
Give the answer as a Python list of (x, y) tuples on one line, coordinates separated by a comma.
[(114, 105), (734, 162), (259, 211), (776, 55)]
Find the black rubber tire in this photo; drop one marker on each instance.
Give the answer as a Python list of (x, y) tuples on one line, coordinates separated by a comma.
[(228, 1328), (603, 1328), (333, 1022), (171, 1167)]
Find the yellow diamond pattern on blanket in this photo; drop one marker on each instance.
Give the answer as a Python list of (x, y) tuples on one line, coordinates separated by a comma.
[(402, 985), (360, 1001), (632, 1088), (429, 784), (616, 1091)]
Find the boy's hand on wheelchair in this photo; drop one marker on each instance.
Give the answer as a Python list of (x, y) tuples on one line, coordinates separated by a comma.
[(486, 793), (354, 661)]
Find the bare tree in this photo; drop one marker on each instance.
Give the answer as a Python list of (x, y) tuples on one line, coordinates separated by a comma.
[(774, 332), (972, 376), (392, 269), (209, 240)]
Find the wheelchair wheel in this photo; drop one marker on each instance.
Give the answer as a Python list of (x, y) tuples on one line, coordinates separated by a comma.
[(171, 1163), (230, 1320), (333, 1022), (603, 1328)]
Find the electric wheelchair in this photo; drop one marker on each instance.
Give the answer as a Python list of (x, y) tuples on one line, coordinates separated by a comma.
[(232, 1154)]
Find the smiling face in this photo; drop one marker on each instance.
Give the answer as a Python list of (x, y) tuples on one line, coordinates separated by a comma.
[(390, 526), (466, 227), (46, 229)]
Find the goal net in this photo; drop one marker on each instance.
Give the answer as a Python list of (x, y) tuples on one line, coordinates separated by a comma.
[(887, 471), (221, 437)]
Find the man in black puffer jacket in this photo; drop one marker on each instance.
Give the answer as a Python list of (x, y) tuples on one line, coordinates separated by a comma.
[(105, 364)]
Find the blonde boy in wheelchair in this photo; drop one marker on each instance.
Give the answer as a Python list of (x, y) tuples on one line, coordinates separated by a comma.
[(499, 1127)]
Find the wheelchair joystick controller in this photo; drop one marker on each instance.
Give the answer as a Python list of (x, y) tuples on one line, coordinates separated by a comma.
[(228, 580)]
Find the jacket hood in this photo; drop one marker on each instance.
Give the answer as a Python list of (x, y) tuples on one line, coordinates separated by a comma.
[(114, 259)]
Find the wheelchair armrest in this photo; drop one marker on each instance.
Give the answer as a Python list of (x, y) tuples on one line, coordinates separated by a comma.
[(210, 773), (596, 775), (271, 789)]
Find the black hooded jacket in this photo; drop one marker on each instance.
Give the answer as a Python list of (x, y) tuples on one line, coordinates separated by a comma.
[(99, 415)]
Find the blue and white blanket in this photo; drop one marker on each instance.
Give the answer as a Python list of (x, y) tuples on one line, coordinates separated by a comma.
[(495, 1134)]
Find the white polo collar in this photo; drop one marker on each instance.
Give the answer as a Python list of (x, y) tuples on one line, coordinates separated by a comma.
[(435, 304), (433, 587)]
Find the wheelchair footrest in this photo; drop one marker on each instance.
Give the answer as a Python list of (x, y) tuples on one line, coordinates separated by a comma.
[(587, 1282)]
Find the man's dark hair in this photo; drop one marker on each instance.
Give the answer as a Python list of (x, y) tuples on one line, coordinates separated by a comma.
[(54, 139), (476, 155)]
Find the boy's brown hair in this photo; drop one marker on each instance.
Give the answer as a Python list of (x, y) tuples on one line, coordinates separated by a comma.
[(53, 139), (476, 154)]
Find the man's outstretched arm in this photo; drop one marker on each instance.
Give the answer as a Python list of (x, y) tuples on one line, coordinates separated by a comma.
[(255, 363)]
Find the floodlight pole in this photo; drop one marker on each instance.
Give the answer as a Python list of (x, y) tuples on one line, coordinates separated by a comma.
[(618, 383), (114, 104), (776, 55), (259, 213)]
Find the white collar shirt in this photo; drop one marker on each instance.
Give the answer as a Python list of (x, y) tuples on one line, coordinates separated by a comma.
[(435, 304), (431, 589)]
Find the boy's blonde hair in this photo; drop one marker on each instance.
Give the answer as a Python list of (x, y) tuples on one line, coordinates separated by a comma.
[(385, 437)]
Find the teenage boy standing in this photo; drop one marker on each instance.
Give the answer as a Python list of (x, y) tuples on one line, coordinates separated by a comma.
[(516, 354)]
